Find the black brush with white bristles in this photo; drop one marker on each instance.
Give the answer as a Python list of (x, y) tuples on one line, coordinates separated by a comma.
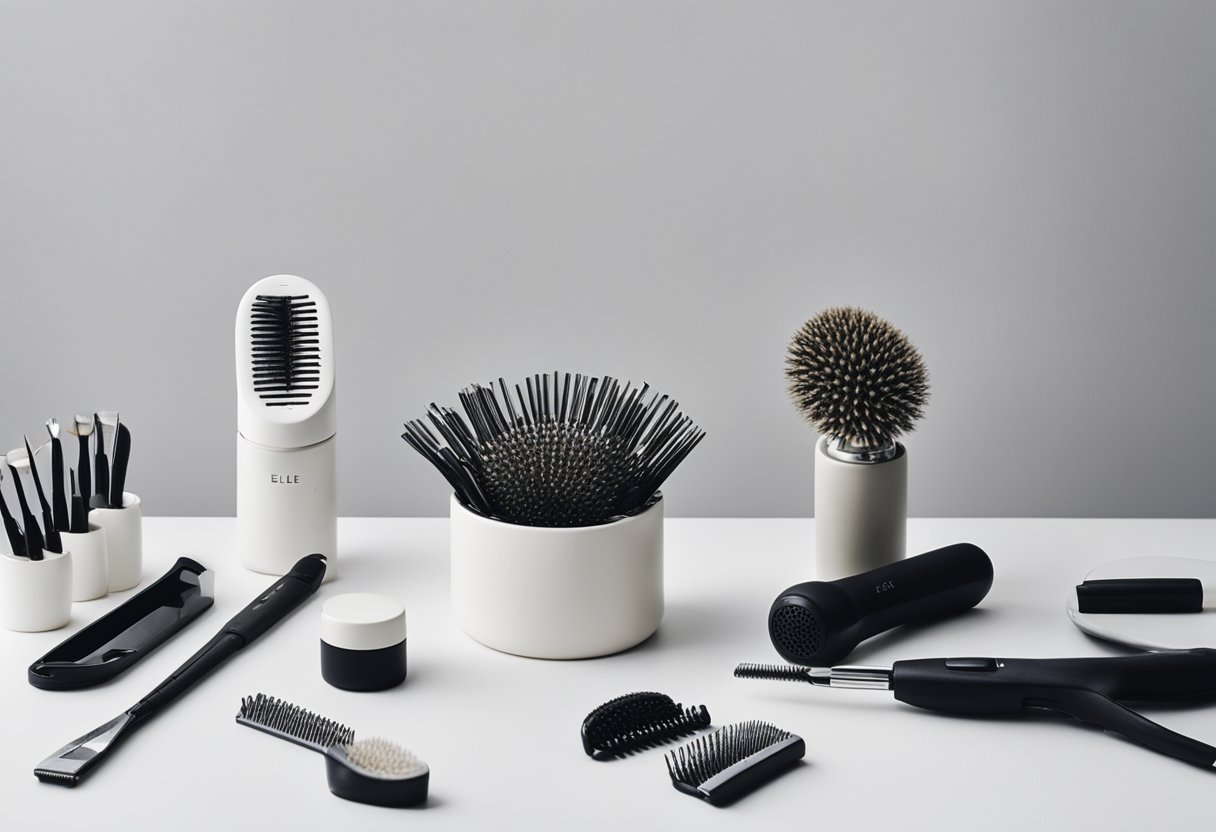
[(374, 771), (856, 378), (736, 759), (567, 450), (638, 721)]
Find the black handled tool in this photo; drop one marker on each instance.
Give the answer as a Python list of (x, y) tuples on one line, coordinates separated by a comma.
[(51, 532), (101, 468), (16, 537), (84, 471), (33, 543), (118, 471), (1084, 689), (68, 765), (79, 524), (59, 500)]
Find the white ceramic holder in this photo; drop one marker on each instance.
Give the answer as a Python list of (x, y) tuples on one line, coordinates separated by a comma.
[(861, 512), (558, 593), (124, 541), (35, 595), (90, 562)]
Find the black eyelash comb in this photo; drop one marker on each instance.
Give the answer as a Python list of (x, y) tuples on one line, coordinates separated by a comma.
[(571, 451)]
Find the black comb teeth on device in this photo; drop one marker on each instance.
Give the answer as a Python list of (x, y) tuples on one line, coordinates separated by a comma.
[(736, 759), (286, 349), (637, 721)]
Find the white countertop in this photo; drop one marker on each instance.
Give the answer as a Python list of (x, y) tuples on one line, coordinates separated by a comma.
[(501, 733)]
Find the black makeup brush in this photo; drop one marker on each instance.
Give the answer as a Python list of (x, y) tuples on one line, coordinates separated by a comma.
[(856, 378), (571, 451)]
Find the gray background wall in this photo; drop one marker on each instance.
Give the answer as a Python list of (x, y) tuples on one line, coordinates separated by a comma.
[(661, 191)]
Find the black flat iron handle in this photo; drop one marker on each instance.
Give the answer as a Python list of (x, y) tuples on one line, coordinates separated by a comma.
[(1096, 709), (1001, 686)]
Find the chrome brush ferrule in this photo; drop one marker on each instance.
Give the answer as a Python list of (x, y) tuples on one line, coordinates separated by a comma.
[(846, 450)]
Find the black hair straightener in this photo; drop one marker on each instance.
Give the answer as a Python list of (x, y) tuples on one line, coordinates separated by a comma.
[(1084, 689)]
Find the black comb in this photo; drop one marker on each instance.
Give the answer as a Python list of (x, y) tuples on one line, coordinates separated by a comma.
[(723, 766), (637, 721), (286, 349)]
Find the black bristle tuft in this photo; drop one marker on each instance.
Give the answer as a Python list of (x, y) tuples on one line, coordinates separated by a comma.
[(637, 721), (563, 451), (774, 672), (856, 378), (292, 722), (759, 750)]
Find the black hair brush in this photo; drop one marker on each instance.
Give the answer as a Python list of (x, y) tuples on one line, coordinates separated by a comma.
[(637, 721), (570, 451), (856, 378)]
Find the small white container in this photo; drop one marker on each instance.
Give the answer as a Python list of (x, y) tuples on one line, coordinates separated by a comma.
[(35, 595), (90, 562), (558, 593), (124, 541), (363, 639), (861, 512)]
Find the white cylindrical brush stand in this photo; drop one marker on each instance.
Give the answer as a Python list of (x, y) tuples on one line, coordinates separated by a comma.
[(558, 593), (90, 562), (124, 541), (35, 595), (861, 511), (286, 505)]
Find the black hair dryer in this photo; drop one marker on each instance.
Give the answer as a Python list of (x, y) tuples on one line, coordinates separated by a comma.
[(820, 622)]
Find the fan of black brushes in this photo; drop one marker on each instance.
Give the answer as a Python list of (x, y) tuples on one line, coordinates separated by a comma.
[(567, 450)]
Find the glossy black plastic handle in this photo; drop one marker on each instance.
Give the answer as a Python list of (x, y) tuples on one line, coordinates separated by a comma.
[(983, 685), (1081, 688), (273, 605)]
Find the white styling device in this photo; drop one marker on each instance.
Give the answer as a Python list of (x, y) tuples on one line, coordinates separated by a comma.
[(286, 492)]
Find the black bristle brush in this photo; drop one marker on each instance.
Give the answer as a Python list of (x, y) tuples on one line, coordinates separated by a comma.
[(736, 759), (856, 378), (570, 450), (637, 721)]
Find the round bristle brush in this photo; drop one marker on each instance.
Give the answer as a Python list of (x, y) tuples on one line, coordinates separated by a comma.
[(856, 378), (861, 383), (565, 450)]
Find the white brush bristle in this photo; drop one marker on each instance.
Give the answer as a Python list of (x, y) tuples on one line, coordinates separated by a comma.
[(383, 758)]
